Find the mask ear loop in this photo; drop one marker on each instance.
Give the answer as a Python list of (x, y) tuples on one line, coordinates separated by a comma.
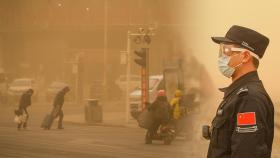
[(241, 60), (242, 50)]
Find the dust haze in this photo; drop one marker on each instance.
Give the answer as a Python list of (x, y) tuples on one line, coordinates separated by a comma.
[(89, 45)]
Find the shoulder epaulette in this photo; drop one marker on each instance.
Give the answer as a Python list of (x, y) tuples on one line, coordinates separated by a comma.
[(242, 91)]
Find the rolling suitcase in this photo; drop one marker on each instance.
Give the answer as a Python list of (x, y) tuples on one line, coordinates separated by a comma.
[(47, 122)]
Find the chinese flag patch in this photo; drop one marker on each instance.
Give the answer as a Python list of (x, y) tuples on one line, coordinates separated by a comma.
[(247, 118)]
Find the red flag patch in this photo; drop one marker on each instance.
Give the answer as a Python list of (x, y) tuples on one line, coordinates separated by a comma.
[(247, 118)]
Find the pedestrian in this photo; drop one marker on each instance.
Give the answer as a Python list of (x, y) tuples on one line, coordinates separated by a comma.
[(244, 123), (177, 110), (25, 101), (160, 109), (57, 106), (175, 105)]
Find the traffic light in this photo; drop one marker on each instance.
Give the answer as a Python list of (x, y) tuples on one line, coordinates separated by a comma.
[(142, 53), (143, 61)]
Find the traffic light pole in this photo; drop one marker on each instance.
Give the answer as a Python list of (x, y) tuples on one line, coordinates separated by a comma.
[(145, 81), (147, 77)]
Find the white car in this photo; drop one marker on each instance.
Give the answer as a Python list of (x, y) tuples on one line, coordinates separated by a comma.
[(156, 83), (135, 82), (19, 86), (3, 88)]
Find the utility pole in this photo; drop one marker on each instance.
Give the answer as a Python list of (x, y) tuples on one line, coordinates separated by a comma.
[(105, 59), (128, 74)]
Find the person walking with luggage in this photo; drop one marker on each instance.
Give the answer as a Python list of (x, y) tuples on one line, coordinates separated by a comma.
[(58, 103), (25, 101), (161, 115)]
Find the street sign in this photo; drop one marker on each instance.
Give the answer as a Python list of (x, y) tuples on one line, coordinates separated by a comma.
[(144, 62), (144, 87)]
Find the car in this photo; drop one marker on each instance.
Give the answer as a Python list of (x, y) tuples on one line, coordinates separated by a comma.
[(3, 88), (54, 88), (156, 83), (21, 85), (135, 82)]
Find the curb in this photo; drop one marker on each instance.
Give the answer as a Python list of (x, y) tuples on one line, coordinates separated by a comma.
[(102, 124)]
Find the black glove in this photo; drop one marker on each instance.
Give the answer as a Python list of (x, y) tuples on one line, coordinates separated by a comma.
[(206, 132)]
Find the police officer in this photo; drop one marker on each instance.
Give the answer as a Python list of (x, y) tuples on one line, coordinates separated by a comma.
[(25, 101), (244, 121), (58, 103)]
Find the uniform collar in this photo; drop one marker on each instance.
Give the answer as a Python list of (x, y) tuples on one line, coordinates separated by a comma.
[(251, 76)]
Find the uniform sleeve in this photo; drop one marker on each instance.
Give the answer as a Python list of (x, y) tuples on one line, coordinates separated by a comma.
[(249, 137)]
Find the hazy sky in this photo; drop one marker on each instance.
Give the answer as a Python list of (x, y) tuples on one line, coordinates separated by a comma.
[(215, 17)]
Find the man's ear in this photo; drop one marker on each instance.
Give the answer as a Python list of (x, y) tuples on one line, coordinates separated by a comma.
[(246, 56)]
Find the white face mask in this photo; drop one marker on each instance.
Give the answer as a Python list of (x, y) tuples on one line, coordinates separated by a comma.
[(224, 68)]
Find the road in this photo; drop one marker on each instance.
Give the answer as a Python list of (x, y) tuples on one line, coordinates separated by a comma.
[(82, 141)]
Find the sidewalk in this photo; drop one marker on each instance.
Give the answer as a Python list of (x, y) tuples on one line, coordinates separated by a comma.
[(110, 119), (113, 115)]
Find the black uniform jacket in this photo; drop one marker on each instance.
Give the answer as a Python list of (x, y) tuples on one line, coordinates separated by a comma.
[(244, 123)]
